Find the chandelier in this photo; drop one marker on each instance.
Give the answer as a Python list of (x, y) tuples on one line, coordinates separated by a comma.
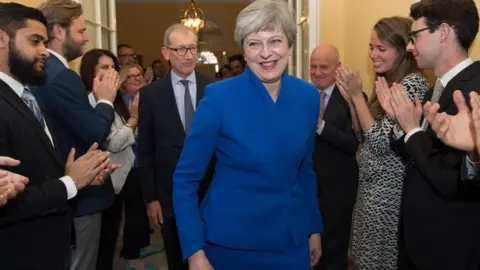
[(193, 17)]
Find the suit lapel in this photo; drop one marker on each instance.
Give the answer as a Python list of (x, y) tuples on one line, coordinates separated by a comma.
[(17, 103), (446, 99)]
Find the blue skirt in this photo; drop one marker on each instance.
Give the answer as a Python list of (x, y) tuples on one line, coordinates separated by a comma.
[(222, 258)]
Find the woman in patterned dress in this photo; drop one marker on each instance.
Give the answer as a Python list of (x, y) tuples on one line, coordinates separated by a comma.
[(376, 214)]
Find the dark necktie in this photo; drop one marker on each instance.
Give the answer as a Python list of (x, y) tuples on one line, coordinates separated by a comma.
[(188, 105), (32, 104)]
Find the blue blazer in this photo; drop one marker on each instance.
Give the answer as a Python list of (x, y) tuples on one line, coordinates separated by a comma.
[(264, 191), (76, 125)]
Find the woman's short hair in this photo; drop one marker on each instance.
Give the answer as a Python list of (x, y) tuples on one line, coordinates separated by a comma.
[(265, 15)]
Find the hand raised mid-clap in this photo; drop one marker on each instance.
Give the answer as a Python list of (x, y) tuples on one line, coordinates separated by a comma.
[(10, 183), (349, 81), (453, 130), (94, 165), (384, 95), (106, 84), (407, 113), (475, 102)]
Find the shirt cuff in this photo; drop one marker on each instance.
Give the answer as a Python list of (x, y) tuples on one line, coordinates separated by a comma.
[(397, 132), (70, 186), (413, 131), (320, 129), (105, 101)]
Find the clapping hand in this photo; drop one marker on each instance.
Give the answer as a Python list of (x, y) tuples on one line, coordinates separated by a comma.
[(407, 113), (384, 95), (458, 131), (349, 81), (10, 183)]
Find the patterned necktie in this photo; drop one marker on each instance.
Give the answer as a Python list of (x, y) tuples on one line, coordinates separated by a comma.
[(188, 106), (437, 92), (32, 104), (323, 96)]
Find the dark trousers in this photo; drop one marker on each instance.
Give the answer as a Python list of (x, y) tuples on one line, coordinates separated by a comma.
[(404, 261), (337, 223), (172, 245), (136, 233)]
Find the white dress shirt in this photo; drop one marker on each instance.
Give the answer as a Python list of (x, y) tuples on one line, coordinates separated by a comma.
[(18, 88), (179, 91)]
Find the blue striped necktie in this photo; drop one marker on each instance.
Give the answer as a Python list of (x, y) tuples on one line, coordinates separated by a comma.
[(32, 104)]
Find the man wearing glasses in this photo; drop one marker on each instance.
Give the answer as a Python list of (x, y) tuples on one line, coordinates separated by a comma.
[(440, 224), (166, 109), (126, 55)]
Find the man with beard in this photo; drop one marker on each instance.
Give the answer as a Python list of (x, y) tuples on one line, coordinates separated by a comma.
[(35, 226), (75, 123)]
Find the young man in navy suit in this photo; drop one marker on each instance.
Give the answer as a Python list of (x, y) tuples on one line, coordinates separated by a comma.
[(74, 122)]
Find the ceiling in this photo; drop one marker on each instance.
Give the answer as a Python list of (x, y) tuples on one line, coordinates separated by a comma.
[(187, 1)]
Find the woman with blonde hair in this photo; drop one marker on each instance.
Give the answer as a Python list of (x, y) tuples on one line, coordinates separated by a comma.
[(376, 213), (261, 209)]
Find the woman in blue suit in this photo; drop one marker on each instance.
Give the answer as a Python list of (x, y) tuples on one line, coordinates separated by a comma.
[(261, 209)]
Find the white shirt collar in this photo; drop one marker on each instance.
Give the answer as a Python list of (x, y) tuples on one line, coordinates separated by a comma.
[(14, 84), (447, 77), (329, 90), (61, 58), (176, 78)]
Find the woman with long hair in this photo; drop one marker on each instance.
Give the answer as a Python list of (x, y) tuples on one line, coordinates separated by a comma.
[(120, 143), (376, 214)]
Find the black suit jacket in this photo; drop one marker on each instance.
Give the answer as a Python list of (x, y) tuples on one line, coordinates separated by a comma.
[(335, 158), (160, 140), (35, 226), (440, 220)]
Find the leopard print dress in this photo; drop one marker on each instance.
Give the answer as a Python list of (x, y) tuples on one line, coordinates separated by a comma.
[(376, 213)]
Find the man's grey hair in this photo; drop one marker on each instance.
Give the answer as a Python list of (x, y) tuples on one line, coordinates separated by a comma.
[(178, 27), (266, 15)]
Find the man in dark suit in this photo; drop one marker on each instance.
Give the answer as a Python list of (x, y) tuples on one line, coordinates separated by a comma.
[(35, 226), (334, 160), (439, 225), (75, 123), (165, 111)]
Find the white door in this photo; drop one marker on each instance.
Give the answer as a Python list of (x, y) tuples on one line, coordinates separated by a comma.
[(308, 25)]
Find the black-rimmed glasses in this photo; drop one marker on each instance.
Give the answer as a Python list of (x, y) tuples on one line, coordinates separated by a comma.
[(413, 34), (183, 50)]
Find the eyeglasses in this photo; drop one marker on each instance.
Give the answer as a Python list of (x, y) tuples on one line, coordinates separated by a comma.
[(183, 50), (134, 56), (413, 35), (132, 77)]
